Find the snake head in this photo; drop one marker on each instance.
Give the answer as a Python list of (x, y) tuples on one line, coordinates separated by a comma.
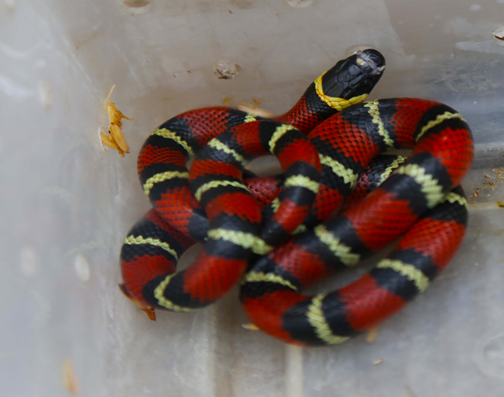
[(354, 76)]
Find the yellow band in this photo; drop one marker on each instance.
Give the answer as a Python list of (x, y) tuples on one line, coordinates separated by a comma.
[(336, 103), (216, 144), (301, 181), (163, 132), (159, 295), (318, 321), (429, 186), (139, 240), (163, 176), (269, 278), (439, 119), (279, 132), (409, 271), (243, 239), (340, 250), (213, 184), (374, 112)]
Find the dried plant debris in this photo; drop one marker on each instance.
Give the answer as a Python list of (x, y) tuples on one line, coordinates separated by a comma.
[(254, 109), (225, 70), (69, 377), (115, 139), (489, 186), (136, 3), (250, 327), (371, 335)]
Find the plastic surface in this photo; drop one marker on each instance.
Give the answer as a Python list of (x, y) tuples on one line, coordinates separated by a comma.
[(66, 205)]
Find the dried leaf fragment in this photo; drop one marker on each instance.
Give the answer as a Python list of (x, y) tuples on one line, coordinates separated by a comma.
[(251, 327), (253, 109), (69, 377), (371, 335), (108, 141), (116, 138)]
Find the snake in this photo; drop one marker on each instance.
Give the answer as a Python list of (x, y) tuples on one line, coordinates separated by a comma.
[(418, 198), (421, 200), (147, 261)]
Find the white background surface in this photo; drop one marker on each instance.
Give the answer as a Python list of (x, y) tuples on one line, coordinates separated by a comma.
[(65, 205)]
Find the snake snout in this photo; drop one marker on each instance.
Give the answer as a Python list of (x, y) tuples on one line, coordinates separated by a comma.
[(372, 60)]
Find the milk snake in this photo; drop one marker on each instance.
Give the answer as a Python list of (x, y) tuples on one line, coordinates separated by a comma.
[(324, 143)]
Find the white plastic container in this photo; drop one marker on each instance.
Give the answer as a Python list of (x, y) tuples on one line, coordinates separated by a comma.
[(65, 204)]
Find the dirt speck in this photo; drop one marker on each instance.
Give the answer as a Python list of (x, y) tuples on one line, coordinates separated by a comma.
[(243, 4), (136, 3), (226, 70)]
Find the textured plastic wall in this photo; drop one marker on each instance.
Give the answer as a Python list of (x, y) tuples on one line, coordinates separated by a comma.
[(66, 204)]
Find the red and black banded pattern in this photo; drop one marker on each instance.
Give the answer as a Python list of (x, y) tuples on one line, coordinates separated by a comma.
[(415, 200), (374, 175), (442, 155), (234, 216), (335, 317), (218, 168), (162, 164), (164, 177), (350, 79), (152, 247)]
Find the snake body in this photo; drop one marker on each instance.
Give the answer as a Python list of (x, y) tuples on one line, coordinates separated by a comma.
[(415, 200), (324, 144), (165, 179)]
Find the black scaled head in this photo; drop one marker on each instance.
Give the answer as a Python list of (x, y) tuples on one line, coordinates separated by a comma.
[(355, 75)]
